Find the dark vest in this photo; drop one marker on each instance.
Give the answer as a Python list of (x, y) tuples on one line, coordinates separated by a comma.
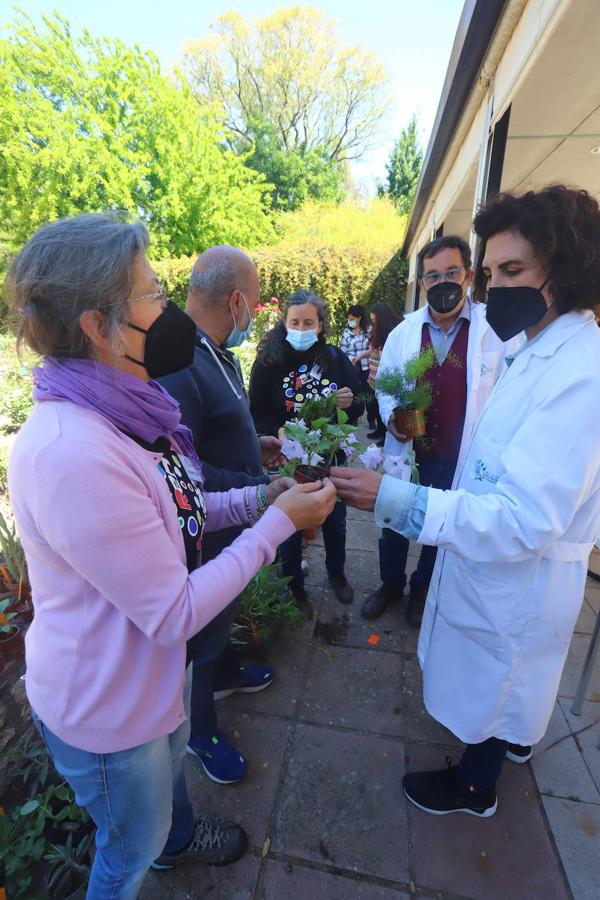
[(446, 415)]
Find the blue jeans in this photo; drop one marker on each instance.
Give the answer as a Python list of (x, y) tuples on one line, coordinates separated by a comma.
[(138, 801), (334, 539), (393, 547)]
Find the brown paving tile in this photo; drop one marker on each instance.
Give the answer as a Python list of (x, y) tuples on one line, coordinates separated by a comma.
[(284, 880), (288, 660), (195, 882), (249, 802), (354, 689), (507, 856), (417, 724), (576, 827), (341, 803)]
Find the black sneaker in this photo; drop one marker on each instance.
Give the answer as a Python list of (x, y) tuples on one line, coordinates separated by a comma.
[(342, 588), (518, 754), (444, 791), (377, 602), (215, 843)]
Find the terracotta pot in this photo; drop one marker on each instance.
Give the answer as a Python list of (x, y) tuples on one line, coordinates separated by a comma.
[(11, 644), (308, 474), (310, 534), (410, 422)]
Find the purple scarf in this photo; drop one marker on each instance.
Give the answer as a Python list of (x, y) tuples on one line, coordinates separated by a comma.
[(143, 409)]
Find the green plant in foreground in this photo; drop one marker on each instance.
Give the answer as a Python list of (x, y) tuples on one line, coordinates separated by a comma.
[(266, 600), (12, 551)]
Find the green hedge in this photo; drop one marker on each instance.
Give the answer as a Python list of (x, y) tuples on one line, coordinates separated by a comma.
[(340, 275)]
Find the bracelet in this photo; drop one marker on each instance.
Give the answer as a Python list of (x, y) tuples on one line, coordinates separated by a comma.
[(262, 504), (249, 513)]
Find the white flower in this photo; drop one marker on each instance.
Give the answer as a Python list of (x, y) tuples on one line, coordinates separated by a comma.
[(301, 424), (292, 449), (396, 467), (371, 458), (311, 460), (351, 439)]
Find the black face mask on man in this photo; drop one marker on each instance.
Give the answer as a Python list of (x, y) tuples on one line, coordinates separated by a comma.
[(170, 342), (445, 296), (511, 310)]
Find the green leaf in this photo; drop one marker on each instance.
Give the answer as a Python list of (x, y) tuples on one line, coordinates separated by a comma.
[(29, 807)]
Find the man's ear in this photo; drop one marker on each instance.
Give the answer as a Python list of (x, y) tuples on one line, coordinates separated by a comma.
[(469, 278), (95, 326)]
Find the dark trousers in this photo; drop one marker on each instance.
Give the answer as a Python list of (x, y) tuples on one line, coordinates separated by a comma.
[(481, 764), (215, 659), (334, 539), (393, 547), (370, 402)]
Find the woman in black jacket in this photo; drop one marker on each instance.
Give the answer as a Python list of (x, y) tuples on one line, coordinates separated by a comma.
[(294, 363)]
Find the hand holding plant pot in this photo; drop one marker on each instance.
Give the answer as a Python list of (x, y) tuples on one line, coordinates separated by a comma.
[(307, 505), (411, 391)]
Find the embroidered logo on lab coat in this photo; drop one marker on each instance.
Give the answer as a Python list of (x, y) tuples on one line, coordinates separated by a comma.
[(482, 473)]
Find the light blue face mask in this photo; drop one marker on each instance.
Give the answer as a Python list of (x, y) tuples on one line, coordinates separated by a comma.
[(237, 337), (302, 340)]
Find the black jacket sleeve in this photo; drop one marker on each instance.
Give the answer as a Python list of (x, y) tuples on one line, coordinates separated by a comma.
[(349, 377), (267, 419)]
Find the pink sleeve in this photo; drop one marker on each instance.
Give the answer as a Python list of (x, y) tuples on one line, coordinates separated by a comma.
[(227, 508)]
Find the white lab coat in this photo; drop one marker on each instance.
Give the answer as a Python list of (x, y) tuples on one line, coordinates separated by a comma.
[(485, 361), (514, 541)]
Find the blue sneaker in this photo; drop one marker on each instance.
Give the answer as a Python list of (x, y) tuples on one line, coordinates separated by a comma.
[(220, 760), (249, 680)]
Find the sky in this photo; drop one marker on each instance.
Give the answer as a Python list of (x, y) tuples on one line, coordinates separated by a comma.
[(412, 38)]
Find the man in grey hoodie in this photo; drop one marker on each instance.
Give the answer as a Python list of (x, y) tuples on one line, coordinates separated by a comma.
[(223, 294)]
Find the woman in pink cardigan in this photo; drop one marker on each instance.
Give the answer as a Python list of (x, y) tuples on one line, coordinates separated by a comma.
[(107, 493)]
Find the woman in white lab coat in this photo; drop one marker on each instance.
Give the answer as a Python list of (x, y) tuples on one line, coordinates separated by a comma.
[(516, 533)]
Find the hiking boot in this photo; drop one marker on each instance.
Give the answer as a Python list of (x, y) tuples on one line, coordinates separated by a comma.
[(220, 760), (377, 602), (518, 754), (444, 791), (416, 604), (249, 680), (341, 588), (302, 602), (215, 843)]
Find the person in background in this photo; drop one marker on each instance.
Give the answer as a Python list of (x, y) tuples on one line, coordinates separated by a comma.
[(469, 358), (355, 344), (383, 320), (294, 362), (516, 532), (223, 294), (107, 494)]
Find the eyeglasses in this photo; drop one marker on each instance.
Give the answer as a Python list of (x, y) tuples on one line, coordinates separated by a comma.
[(158, 296), (431, 278)]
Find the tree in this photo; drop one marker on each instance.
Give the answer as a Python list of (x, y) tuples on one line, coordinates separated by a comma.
[(404, 168), (89, 124), (289, 94)]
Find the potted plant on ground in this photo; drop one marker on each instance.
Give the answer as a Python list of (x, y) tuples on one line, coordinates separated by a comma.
[(267, 605), (70, 870), (11, 641), (311, 443), (13, 571), (411, 391)]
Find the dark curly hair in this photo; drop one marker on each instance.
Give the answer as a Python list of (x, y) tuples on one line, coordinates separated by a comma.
[(273, 350), (360, 312), (563, 226), (386, 320)]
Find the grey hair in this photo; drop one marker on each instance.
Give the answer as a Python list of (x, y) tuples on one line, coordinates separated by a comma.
[(66, 268), (218, 273)]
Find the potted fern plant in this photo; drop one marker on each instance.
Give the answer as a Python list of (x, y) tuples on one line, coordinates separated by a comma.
[(411, 391), (13, 572)]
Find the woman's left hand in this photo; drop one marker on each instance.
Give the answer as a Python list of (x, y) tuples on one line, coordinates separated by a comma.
[(270, 451), (277, 487), (344, 397)]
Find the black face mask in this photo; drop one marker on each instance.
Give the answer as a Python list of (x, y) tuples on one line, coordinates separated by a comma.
[(511, 310), (445, 296), (170, 342)]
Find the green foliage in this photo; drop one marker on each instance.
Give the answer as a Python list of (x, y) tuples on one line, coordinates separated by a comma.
[(246, 355), (12, 551), (70, 865), (89, 124), (373, 225), (266, 316), (5, 617), (15, 377), (407, 385), (285, 82), (316, 437), (266, 600), (404, 168), (315, 408)]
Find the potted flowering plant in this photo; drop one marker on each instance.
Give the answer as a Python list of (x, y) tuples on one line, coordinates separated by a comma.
[(311, 443), (404, 467), (411, 391)]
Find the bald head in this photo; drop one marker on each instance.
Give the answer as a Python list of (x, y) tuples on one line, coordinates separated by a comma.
[(223, 282), (218, 272)]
